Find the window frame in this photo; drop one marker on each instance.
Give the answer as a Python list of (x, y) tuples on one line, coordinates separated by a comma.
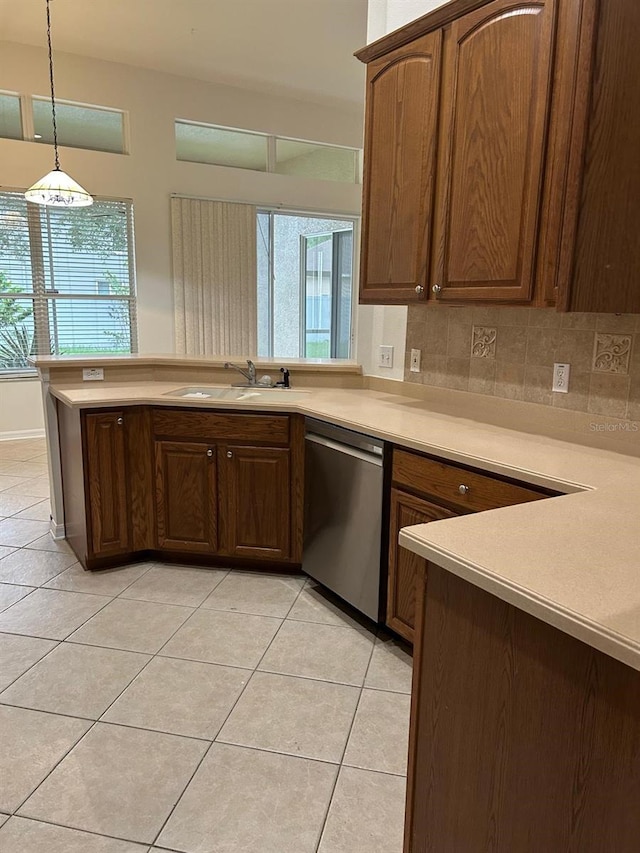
[(355, 257), (41, 297), (271, 141)]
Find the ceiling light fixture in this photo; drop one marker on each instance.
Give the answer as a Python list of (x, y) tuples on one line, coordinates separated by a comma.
[(56, 189)]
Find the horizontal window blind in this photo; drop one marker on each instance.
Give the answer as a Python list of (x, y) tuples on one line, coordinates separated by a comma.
[(66, 280)]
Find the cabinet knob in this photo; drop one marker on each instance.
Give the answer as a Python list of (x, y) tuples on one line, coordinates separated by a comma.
[(463, 489), (437, 289), (209, 453), (419, 290), (229, 454), (120, 421)]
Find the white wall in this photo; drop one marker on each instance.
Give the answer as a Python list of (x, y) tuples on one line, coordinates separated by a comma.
[(150, 173), (376, 324)]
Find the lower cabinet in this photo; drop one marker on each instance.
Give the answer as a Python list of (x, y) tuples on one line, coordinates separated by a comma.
[(106, 483), (423, 490), (145, 480), (255, 501), (405, 566), (186, 496)]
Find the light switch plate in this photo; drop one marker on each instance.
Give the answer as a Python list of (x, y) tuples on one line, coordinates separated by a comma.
[(92, 374), (415, 360), (386, 356), (561, 373)]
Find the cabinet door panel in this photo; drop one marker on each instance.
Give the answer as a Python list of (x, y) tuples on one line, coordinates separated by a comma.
[(255, 495), (404, 566), (106, 484), (497, 75), (186, 496), (401, 124)]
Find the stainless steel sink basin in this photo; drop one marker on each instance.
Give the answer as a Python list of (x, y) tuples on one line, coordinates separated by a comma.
[(239, 395)]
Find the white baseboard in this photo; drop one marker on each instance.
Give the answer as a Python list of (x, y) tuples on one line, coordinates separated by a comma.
[(57, 531), (24, 433)]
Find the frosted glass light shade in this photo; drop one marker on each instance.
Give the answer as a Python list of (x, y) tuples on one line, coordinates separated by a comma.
[(57, 189)]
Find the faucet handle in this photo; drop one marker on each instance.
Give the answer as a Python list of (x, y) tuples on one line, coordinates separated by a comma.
[(284, 383)]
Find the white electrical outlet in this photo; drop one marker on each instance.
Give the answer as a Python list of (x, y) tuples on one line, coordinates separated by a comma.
[(561, 373), (386, 356), (92, 374), (415, 360)]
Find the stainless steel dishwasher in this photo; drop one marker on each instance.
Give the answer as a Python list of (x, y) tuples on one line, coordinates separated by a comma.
[(343, 513)]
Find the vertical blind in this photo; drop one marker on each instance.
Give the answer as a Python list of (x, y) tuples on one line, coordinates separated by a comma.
[(214, 277), (66, 280)]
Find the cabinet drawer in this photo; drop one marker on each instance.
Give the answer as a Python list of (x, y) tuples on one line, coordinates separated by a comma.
[(212, 426), (444, 482)]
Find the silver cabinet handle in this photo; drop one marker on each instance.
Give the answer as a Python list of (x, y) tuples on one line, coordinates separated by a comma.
[(120, 421), (464, 490), (437, 289), (209, 453), (419, 290), (229, 454)]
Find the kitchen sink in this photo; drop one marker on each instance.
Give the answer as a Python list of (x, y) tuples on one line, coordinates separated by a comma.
[(239, 395)]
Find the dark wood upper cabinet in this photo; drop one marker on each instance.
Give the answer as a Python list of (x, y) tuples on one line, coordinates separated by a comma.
[(600, 257), (400, 151), (255, 494), (497, 71), (537, 174), (106, 484), (186, 496)]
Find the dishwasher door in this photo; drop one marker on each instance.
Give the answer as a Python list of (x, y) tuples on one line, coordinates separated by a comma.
[(343, 514)]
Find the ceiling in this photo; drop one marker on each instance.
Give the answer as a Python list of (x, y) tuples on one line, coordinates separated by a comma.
[(302, 48)]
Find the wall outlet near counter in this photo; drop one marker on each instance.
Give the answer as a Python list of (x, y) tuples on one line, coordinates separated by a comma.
[(561, 373), (415, 361), (92, 374), (386, 356)]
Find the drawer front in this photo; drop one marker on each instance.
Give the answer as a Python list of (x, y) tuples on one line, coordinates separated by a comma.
[(459, 487), (212, 426)]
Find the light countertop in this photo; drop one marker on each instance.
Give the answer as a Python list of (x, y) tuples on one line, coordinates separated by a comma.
[(572, 561)]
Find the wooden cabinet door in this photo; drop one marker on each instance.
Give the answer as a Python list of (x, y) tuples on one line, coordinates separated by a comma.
[(255, 502), (404, 566), (106, 484), (497, 74), (186, 503), (399, 171)]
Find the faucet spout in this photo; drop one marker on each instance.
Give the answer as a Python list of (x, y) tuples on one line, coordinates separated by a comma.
[(249, 374)]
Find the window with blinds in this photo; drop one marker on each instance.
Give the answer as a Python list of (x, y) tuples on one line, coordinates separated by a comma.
[(66, 281)]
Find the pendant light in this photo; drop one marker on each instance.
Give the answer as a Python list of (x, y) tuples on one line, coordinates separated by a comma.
[(56, 189)]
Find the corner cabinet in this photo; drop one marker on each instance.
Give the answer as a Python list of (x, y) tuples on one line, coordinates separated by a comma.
[(501, 156), (158, 482), (423, 490)]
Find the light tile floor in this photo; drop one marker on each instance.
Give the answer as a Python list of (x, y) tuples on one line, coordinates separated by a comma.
[(160, 707)]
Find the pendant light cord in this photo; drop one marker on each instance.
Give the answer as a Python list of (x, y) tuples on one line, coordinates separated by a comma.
[(53, 97)]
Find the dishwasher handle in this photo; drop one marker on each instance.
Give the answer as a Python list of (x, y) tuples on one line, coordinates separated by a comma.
[(345, 449)]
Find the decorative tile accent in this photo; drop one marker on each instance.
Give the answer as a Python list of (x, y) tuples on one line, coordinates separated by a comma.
[(484, 342), (611, 353)]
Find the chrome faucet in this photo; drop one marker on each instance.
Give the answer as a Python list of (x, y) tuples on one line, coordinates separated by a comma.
[(249, 373)]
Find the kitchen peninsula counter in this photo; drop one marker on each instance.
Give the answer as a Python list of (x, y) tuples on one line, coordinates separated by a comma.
[(572, 561)]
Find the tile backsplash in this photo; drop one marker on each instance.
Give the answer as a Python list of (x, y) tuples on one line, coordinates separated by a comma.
[(510, 352)]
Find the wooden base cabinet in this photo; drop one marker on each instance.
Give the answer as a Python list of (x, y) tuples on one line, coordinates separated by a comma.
[(405, 568), (425, 490), (522, 739), (186, 496), (255, 491), (144, 481), (107, 482)]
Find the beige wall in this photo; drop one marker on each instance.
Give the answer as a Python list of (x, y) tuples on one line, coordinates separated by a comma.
[(150, 173), (20, 407)]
